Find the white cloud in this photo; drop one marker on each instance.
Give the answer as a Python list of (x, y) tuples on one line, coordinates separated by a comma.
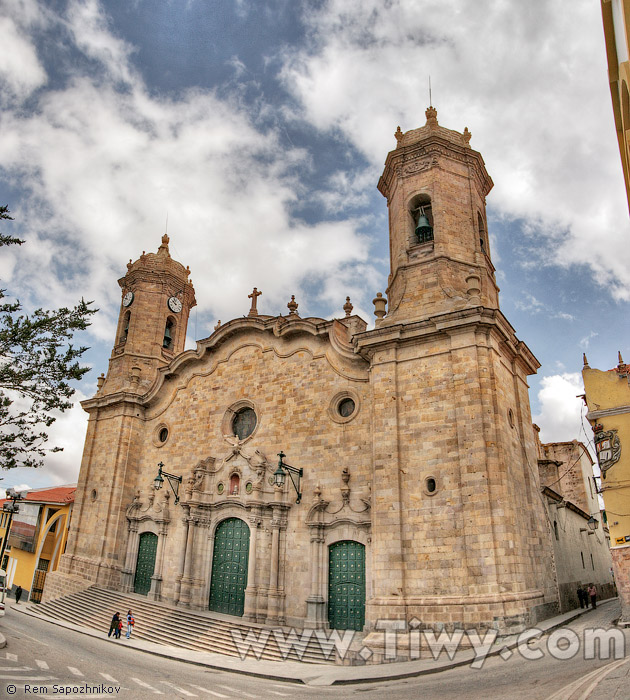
[(516, 74), (560, 415), (20, 69)]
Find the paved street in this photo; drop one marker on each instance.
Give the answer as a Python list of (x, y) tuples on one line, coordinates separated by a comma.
[(42, 658)]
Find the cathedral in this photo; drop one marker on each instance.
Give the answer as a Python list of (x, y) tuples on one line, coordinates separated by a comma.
[(317, 473)]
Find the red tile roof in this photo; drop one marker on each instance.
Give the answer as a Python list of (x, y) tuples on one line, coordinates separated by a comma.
[(56, 494)]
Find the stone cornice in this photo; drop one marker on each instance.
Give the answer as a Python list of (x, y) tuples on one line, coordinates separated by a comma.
[(607, 412), (479, 317)]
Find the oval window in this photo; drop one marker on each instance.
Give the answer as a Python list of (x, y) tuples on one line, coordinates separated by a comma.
[(163, 435), (244, 422), (431, 485), (346, 407)]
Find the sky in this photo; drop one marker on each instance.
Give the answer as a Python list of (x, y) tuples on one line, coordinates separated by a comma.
[(255, 131)]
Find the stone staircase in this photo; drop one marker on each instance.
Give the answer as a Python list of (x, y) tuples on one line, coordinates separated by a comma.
[(201, 631)]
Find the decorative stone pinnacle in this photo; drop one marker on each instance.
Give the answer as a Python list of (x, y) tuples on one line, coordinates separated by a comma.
[(431, 115), (399, 136), (379, 305), (164, 247), (466, 136), (254, 297), (216, 328), (292, 306), (347, 307), (619, 357), (584, 359)]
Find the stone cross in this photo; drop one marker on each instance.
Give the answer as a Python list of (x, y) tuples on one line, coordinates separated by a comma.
[(254, 297)]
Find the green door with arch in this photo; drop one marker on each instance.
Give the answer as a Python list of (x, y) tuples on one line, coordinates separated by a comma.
[(145, 564), (229, 567), (346, 586)]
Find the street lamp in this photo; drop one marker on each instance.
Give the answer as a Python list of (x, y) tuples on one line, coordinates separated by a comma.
[(158, 482), (592, 523), (280, 475), (12, 509)]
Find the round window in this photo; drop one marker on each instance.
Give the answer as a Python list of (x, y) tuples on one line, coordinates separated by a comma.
[(431, 485), (346, 407), (244, 422), (163, 435)]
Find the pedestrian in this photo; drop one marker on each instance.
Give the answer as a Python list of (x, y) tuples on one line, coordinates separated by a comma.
[(113, 626), (119, 629), (580, 595), (18, 594), (130, 623), (592, 593)]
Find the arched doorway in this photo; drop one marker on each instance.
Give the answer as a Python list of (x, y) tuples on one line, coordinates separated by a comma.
[(346, 585), (145, 563), (229, 567)]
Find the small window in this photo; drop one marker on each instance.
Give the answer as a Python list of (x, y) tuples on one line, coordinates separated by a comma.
[(346, 407), (125, 332), (582, 555), (431, 485), (163, 435), (592, 564), (243, 423), (483, 238), (555, 529)]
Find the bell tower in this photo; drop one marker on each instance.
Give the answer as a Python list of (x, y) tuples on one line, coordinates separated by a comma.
[(436, 186), (157, 297)]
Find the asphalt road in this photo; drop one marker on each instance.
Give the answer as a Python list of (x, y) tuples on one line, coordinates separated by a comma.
[(43, 659)]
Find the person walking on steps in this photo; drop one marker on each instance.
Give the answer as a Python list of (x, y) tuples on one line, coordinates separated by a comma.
[(130, 623), (113, 626), (18, 594)]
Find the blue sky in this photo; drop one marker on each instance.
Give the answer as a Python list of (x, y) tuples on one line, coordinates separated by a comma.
[(260, 129)]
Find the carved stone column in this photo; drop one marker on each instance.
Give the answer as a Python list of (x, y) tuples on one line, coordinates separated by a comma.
[(200, 587), (251, 592), (182, 561), (316, 602), (273, 608), (155, 593), (133, 542), (184, 594)]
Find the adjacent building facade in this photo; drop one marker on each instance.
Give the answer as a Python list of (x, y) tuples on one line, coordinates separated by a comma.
[(420, 495), (607, 396), (37, 537), (580, 535), (616, 16)]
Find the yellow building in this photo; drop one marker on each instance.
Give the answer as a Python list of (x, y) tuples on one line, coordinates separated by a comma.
[(608, 401), (616, 16), (36, 538)]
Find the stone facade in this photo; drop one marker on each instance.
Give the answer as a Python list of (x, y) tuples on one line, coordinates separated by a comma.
[(414, 437)]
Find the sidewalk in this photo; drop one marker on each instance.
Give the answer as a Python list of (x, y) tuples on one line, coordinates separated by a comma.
[(323, 674)]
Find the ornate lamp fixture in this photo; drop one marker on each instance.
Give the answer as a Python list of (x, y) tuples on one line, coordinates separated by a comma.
[(592, 523), (158, 482), (295, 474)]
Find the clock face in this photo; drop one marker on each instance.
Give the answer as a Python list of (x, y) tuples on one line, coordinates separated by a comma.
[(127, 299), (174, 304)]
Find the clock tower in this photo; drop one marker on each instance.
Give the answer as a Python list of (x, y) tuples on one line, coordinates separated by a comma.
[(157, 296)]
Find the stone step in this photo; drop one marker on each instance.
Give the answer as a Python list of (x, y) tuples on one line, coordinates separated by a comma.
[(168, 625)]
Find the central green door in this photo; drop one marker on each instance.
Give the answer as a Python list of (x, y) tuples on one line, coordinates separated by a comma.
[(146, 563), (229, 567), (346, 586)]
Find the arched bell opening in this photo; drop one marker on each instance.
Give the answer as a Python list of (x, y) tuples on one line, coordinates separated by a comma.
[(169, 333), (421, 217)]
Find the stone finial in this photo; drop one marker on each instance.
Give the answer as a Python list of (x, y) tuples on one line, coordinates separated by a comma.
[(399, 137), (466, 136), (473, 289), (347, 307), (254, 297), (100, 381), (134, 376), (379, 305), (129, 264), (293, 306), (585, 360), (431, 115), (218, 325), (163, 249), (619, 357)]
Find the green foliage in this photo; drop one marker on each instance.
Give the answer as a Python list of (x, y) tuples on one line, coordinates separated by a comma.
[(37, 362)]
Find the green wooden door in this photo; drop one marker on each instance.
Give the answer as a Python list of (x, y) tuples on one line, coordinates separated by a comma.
[(146, 563), (346, 586), (229, 567)]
